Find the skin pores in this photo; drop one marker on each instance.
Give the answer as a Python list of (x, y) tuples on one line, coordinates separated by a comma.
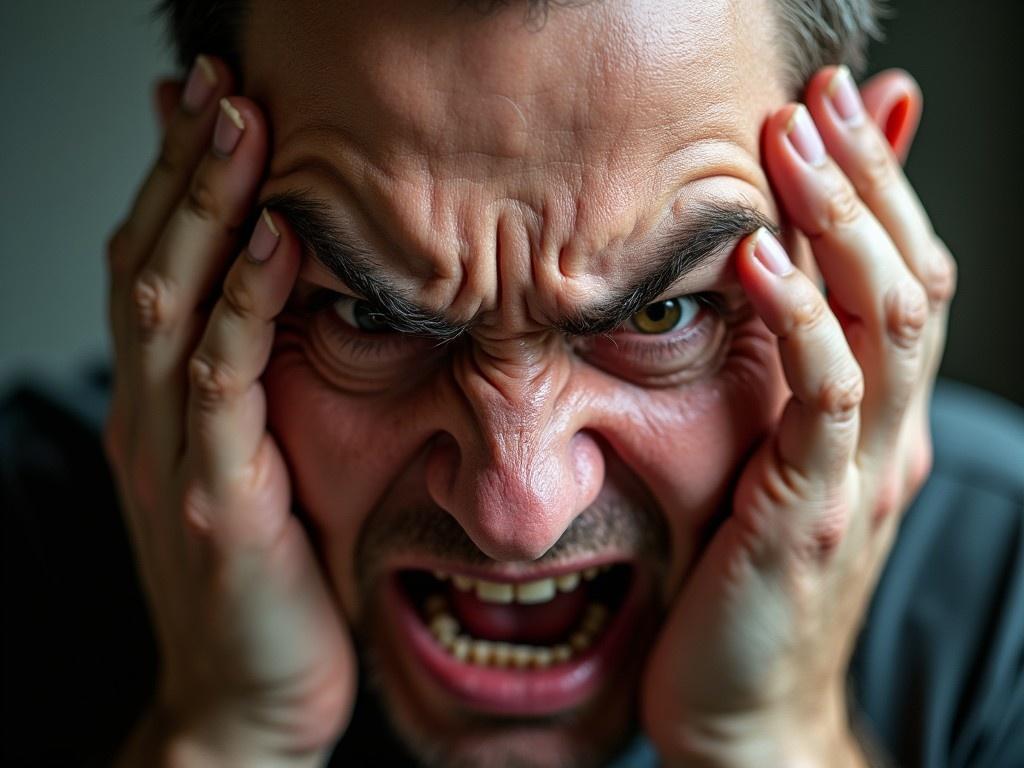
[(506, 173)]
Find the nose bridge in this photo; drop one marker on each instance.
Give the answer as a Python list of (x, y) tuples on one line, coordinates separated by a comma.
[(513, 387), (519, 471), (512, 384)]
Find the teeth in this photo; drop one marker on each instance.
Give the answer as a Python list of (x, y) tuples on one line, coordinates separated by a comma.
[(480, 651), (445, 629), (521, 656), (527, 593), (568, 582), (493, 591), (460, 648), (501, 654), (540, 591)]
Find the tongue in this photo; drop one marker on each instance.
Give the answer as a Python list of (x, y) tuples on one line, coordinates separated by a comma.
[(546, 623)]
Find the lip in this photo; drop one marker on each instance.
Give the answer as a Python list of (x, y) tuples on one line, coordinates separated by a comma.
[(515, 692)]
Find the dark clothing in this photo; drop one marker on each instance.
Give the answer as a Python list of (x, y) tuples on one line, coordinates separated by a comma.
[(938, 675)]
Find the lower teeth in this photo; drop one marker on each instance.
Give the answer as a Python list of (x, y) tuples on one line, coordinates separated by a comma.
[(488, 653)]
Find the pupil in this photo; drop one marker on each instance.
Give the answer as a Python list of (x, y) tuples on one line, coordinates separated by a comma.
[(367, 318), (656, 312)]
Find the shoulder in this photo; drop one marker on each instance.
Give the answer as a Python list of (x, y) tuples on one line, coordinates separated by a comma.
[(938, 669), (76, 621)]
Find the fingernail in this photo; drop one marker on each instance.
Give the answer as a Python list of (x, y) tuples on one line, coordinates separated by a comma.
[(771, 254), (229, 128), (842, 92), (264, 239), (804, 136), (199, 87)]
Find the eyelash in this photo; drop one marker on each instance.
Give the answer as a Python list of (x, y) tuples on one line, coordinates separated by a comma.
[(660, 347), (634, 346), (319, 299)]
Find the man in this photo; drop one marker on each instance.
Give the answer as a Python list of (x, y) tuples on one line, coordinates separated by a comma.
[(514, 409)]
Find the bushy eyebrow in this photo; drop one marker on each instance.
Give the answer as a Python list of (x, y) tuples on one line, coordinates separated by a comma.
[(708, 230), (358, 267)]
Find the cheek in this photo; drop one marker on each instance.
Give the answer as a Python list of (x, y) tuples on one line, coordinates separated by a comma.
[(687, 444), (343, 453)]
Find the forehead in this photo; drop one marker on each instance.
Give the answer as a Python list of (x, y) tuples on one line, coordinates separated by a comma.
[(430, 118)]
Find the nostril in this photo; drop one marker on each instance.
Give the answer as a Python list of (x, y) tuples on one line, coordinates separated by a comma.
[(442, 468)]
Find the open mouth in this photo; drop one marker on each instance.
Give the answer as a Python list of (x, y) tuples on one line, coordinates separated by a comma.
[(519, 647)]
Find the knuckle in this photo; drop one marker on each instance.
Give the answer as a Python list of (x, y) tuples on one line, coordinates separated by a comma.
[(940, 282), (212, 383), (201, 200), (842, 395), (877, 171), (196, 510), (153, 301), (828, 531), (887, 502), (239, 297), (842, 206), (921, 461), (810, 313), (906, 313)]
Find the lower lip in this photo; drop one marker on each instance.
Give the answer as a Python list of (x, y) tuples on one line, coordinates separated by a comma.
[(516, 692)]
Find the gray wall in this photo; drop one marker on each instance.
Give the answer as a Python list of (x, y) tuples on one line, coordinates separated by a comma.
[(77, 132)]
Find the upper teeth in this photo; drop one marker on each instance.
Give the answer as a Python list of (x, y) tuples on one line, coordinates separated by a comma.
[(526, 593)]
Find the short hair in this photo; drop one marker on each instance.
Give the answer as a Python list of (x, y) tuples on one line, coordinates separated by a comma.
[(816, 33)]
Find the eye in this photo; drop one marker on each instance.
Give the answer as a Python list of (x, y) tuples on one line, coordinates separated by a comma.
[(361, 315), (665, 316)]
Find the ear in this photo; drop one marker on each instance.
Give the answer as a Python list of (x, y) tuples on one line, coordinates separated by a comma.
[(166, 94), (893, 99)]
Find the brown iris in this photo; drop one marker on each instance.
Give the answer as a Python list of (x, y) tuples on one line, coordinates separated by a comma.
[(659, 317)]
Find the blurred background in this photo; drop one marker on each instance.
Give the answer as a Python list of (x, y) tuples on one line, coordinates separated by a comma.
[(78, 132)]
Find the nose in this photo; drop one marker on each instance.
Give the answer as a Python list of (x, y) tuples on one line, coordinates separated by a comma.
[(517, 466)]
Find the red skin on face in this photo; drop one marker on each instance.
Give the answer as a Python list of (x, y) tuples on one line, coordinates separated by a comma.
[(514, 435)]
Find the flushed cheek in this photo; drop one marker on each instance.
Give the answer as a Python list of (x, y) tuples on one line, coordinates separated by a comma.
[(343, 452), (687, 444)]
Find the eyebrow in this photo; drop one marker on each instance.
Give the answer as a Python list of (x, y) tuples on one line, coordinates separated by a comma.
[(708, 230)]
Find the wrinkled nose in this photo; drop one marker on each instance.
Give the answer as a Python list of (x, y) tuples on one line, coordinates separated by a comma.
[(518, 465)]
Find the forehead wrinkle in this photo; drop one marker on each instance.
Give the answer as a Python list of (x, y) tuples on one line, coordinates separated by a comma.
[(599, 129)]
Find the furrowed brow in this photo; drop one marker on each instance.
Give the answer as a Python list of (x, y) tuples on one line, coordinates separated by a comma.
[(355, 266), (708, 231)]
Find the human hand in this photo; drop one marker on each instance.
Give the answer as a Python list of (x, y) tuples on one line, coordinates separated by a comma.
[(256, 665), (750, 666)]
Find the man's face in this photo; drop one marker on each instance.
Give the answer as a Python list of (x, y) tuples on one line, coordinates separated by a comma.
[(567, 195)]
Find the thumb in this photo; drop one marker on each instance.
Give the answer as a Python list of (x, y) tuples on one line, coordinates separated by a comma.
[(894, 101)]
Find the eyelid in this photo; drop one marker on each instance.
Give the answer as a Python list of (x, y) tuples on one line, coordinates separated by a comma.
[(315, 273)]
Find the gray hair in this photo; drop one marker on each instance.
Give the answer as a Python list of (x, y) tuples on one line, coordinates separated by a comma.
[(818, 33)]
